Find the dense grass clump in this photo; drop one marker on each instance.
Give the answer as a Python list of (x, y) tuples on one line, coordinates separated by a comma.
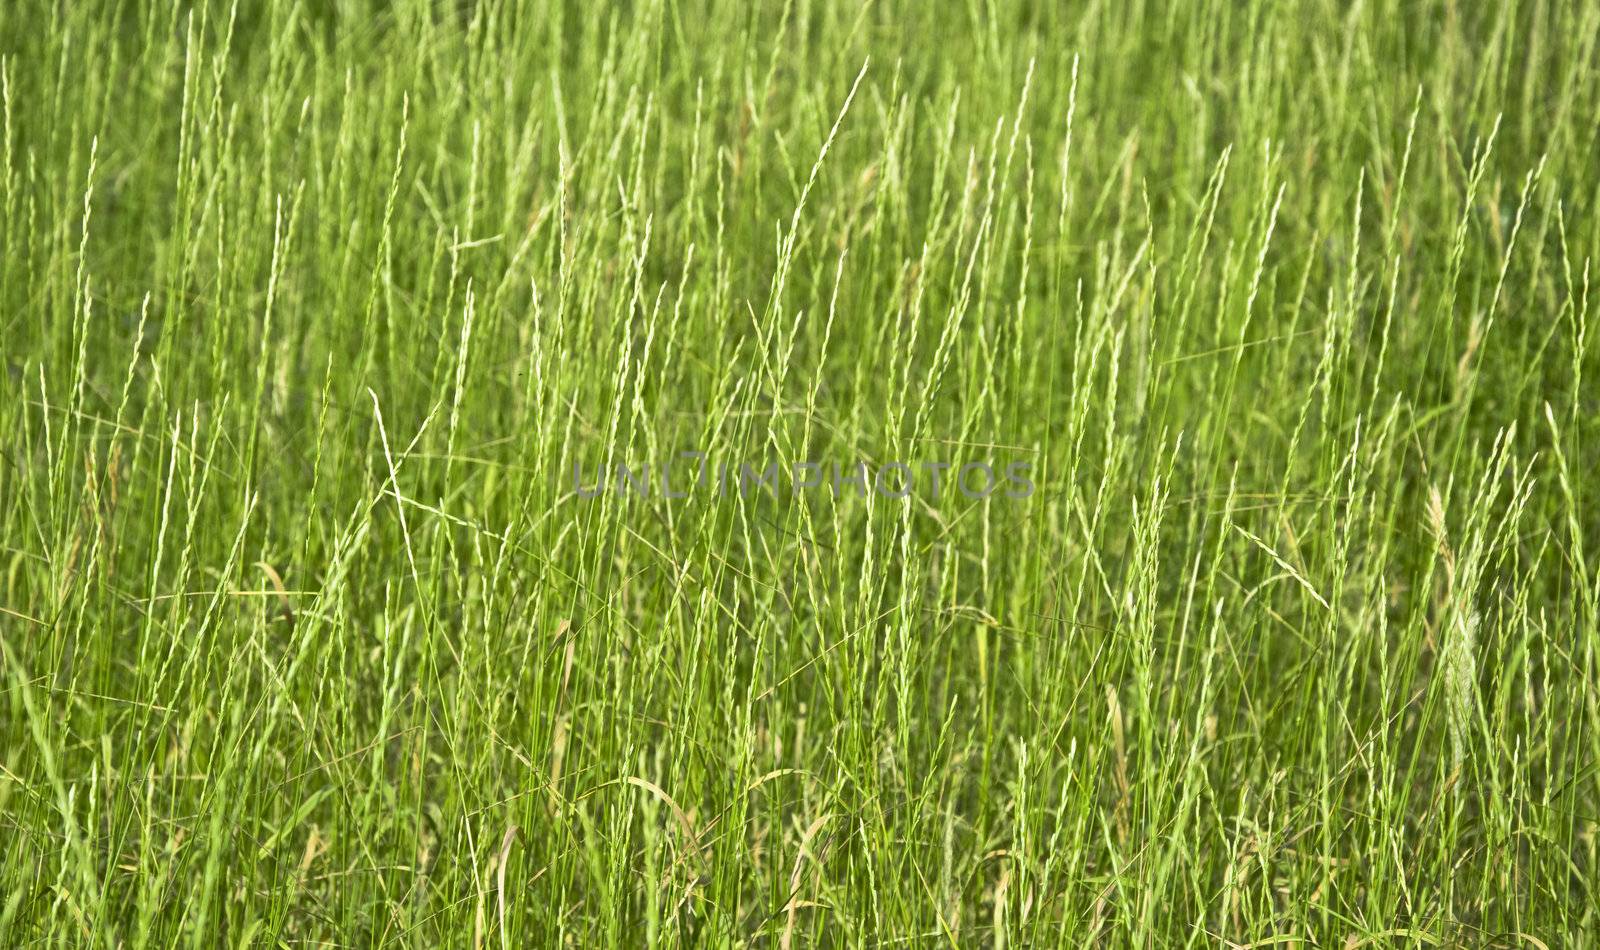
[(309, 313)]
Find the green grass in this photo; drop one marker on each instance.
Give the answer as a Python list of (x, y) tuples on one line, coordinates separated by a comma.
[(308, 310)]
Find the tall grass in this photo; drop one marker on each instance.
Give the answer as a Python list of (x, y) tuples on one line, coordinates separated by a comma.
[(308, 311)]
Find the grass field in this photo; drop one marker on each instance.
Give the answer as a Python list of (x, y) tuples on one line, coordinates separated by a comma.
[(321, 324)]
